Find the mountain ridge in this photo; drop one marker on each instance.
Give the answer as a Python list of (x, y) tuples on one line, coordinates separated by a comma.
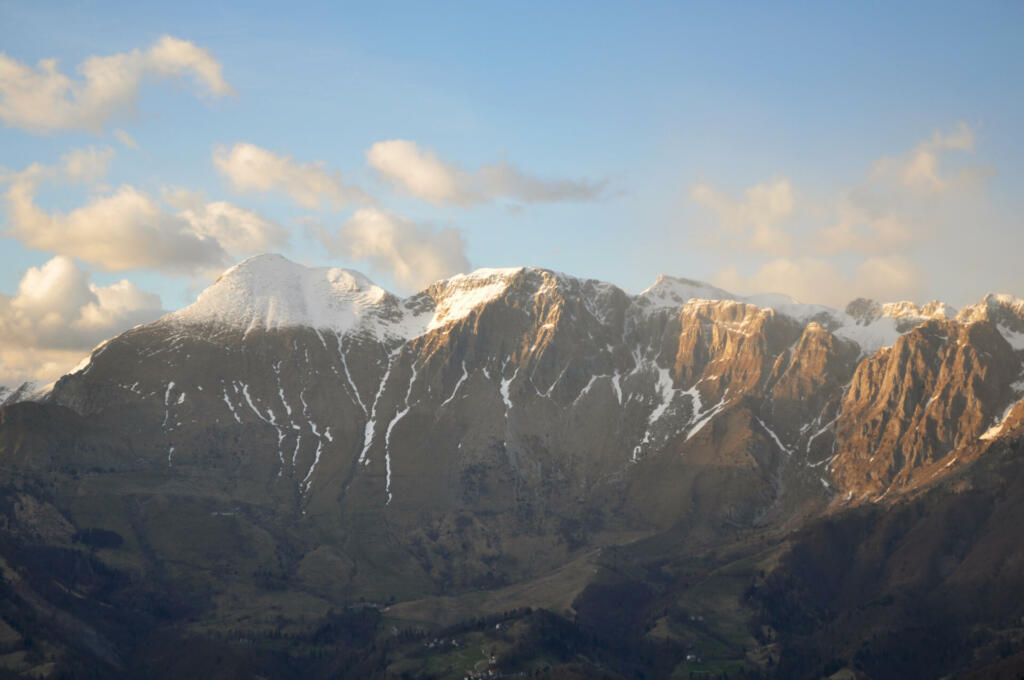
[(274, 292), (347, 312), (489, 433)]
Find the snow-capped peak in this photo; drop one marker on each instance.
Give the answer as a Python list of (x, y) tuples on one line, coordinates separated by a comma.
[(27, 391), (1005, 311), (909, 310), (456, 297), (670, 291), (993, 304), (271, 291)]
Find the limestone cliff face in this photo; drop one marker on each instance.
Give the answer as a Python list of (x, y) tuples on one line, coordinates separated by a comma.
[(807, 382), (938, 388)]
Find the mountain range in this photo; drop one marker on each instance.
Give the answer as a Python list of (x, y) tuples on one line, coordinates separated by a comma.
[(306, 472)]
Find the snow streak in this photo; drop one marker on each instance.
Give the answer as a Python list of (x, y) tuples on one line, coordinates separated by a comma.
[(371, 424), (462, 379)]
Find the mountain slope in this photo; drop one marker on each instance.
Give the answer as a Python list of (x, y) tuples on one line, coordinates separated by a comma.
[(532, 410), (300, 439)]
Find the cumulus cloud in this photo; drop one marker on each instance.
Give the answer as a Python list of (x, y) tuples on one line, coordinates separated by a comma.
[(921, 169), (58, 313), (857, 231), (413, 255), (43, 99), (820, 280), (125, 230), (252, 168), (129, 230), (895, 206), (420, 173), (19, 364), (867, 240), (753, 221), (237, 230), (879, 215)]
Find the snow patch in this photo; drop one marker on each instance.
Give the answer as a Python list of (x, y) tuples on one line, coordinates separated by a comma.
[(669, 291), (1000, 424), (1015, 338), (270, 292), (231, 407), (464, 294), (814, 436), (774, 436), (348, 376), (617, 387), (371, 423), (586, 389), (462, 379), (307, 481), (666, 390), (504, 389), (387, 435), (705, 418), (879, 333)]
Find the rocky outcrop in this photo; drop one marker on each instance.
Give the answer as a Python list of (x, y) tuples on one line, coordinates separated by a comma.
[(937, 389)]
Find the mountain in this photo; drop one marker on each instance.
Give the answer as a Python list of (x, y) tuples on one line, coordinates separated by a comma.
[(25, 391), (300, 440)]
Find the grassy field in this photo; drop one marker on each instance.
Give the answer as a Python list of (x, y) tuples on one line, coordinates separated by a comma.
[(555, 592)]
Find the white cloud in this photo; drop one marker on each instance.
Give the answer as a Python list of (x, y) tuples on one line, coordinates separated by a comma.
[(413, 255), (504, 180), (125, 230), (126, 139), (859, 232), (753, 221), (887, 278), (18, 364), (86, 166), (884, 214), (42, 99), (895, 207), (252, 168), (908, 210), (237, 230), (420, 173), (78, 166), (129, 230), (818, 280), (920, 171), (172, 57), (58, 313)]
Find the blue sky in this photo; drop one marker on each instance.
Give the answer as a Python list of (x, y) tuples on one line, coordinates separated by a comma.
[(825, 150)]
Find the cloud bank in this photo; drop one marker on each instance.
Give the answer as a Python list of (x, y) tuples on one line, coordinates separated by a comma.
[(872, 234), (823, 281)]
